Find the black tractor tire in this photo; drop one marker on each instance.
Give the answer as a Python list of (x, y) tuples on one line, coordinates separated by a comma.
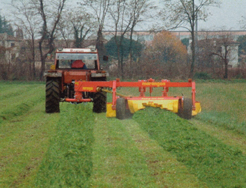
[(52, 95), (99, 102), (121, 108), (185, 111)]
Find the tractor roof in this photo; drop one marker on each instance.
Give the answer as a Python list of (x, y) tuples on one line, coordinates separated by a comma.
[(78, 50)]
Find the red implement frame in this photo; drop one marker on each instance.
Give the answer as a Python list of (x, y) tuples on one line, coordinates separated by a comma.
[(94, 86)]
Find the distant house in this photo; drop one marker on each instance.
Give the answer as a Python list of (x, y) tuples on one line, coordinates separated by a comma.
[(11, 45), (140, 36), (217, 48), (145, 36)]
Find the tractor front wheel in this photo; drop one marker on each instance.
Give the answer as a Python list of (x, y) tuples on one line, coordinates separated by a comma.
[(52, 95), (185, 111), (99, 102)]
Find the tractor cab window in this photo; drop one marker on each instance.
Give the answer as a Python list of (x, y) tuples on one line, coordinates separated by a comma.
[(65, 60)]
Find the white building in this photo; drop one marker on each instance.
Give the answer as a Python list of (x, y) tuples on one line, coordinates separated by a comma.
[(217, 47), (11, 45)]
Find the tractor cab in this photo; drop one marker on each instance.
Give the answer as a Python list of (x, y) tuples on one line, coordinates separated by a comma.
[(77, 59)]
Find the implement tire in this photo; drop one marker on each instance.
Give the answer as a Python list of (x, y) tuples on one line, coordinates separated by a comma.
[(99, 102), (52, 96), (186, 110), (120, 108)]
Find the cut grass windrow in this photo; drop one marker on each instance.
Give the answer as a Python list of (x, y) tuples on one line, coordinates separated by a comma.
[(68, 161), (163, 166), (125, 156), (24, 141), (21, 104), (212, 161), (14, 91), (116, 160)]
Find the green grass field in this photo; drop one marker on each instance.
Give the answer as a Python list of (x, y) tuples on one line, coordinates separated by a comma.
[(156, 148)]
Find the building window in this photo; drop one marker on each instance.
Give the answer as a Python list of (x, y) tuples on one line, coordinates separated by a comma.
[(12, 44)]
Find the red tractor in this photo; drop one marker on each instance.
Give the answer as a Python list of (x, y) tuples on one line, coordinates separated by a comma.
[(73, 64)]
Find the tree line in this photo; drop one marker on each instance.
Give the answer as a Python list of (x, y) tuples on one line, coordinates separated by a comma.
[(45, 21)]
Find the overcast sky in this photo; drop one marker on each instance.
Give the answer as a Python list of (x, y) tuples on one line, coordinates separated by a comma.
[(226, 17)]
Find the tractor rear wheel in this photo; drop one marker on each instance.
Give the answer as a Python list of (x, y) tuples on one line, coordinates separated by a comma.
[(52, 95), (99, 102), (186, 109), (120, 108)]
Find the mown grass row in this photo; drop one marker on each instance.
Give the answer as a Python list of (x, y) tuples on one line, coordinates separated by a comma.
[(117, 162), (24, 141), (213, 162), (21, 102), (68, 161), (9, 92), (25, 131)]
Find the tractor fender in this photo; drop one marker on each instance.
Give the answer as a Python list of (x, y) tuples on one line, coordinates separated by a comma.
[(53, 74)]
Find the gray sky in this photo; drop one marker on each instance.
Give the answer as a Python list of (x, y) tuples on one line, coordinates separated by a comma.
[(226, 17)]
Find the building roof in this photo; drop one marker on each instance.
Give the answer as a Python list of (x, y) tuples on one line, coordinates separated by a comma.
[(6, 37)]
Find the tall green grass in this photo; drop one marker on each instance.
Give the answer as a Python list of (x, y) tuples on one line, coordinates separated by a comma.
[(68, 162), (213, 162), (223, 104)]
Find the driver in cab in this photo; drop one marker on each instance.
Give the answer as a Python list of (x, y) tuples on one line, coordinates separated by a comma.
[(78, 64)]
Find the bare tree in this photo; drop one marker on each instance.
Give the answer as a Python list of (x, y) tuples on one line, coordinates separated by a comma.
[(3, 72), (126, 14), (185, 13), (122, 19), (27, 21), (50, 12), (76, 25), (140, 11), (242, 22), (223, 48), (99, 8)]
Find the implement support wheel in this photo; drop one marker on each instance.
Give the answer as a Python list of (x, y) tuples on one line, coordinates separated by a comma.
[(122, 112), (52, 95), (185, 110), (120, 108)]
